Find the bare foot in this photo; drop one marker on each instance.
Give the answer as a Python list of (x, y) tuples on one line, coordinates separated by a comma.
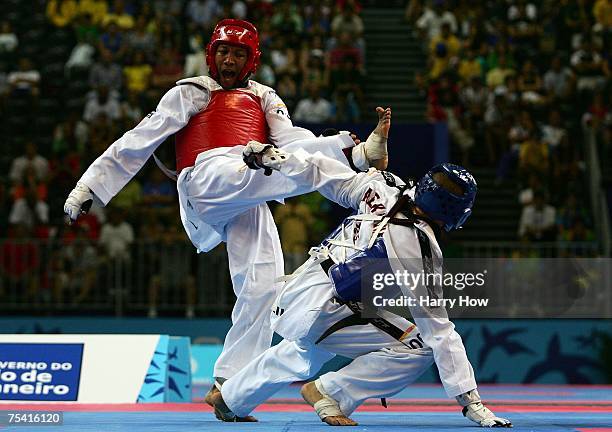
[(384, 121), (222, 412), (311, 395)]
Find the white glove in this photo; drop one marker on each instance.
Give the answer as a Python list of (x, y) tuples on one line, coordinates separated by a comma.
[(257, 155), (79, 201), (478, 413)]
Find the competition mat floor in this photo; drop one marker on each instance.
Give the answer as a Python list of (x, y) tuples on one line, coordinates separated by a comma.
[(419, 408)]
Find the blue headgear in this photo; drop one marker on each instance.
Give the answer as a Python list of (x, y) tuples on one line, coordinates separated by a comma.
[(441, 204)]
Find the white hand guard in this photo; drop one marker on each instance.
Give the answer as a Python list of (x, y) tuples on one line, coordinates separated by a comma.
[(474, 410), (257, 155), (79, 201)]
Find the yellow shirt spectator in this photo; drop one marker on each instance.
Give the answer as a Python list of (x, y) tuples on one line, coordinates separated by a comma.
[(137, 77), (533, 155), (441, 50), (602, 11), (61, 12), (497, 76), (469, 69), (98, 9)]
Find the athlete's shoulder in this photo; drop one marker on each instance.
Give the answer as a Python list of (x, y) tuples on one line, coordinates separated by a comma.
[(260, 89), (203, 82)]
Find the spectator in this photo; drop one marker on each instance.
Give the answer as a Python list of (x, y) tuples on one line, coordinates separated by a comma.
[(139, 39), (265, 73), (139, 74), (497, 76), (602, 11), (195, 60), (30, 159), (116, 235), (444, 106), (169, 36), (348, 22), (166, 72), (342, 51), (102, 102), (347, 87), (20, 264), (71, 134), (313, 109), (131, 112), (294, 220), (80, 259), (570, 212), (173, 272), (158, 192), (29, 182), (577, 232), (30, 211), (96, 9), (553, 132), (284, 59), (288, 23), (172, 8), (527, 194), (314, 70), (26, 80), (129, 198), (533, 156), (61, 12), (443, 50), (496, 128), (82, 55), (523, 25), (8, 40), (119, 16), (430, 23), (530, 84), (106, 73), (558, 80), (588, 66), (203, 12), (113, 41), (596, 115), (474, 99), (287, 90), (470, 67), (538, 221)]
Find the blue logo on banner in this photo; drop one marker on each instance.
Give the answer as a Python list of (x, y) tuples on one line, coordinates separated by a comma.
[(40, 371)]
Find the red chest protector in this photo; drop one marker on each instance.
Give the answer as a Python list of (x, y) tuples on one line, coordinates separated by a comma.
[(232, 117)]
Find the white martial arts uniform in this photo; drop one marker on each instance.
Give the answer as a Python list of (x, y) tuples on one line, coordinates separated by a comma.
[(305, 308), (220, 200)]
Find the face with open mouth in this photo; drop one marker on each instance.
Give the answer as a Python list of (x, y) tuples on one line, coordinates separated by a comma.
[(230, 60)]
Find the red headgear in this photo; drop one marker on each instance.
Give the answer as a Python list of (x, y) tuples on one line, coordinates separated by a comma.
[(234, 32)]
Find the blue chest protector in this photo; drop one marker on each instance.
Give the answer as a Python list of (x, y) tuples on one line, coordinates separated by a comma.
[(348, 277)]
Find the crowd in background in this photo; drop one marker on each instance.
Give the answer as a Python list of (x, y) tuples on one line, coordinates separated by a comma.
[(76, 74), (516, 81)]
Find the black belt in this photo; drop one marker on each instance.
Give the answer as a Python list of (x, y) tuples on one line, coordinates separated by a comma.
[(356, 318)]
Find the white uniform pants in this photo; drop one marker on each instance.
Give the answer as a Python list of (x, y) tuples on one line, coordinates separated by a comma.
[(382, 367), (221, 192)]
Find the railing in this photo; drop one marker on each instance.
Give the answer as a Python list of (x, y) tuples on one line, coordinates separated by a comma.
[(598, 197), (154, 279), (157, 278)]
